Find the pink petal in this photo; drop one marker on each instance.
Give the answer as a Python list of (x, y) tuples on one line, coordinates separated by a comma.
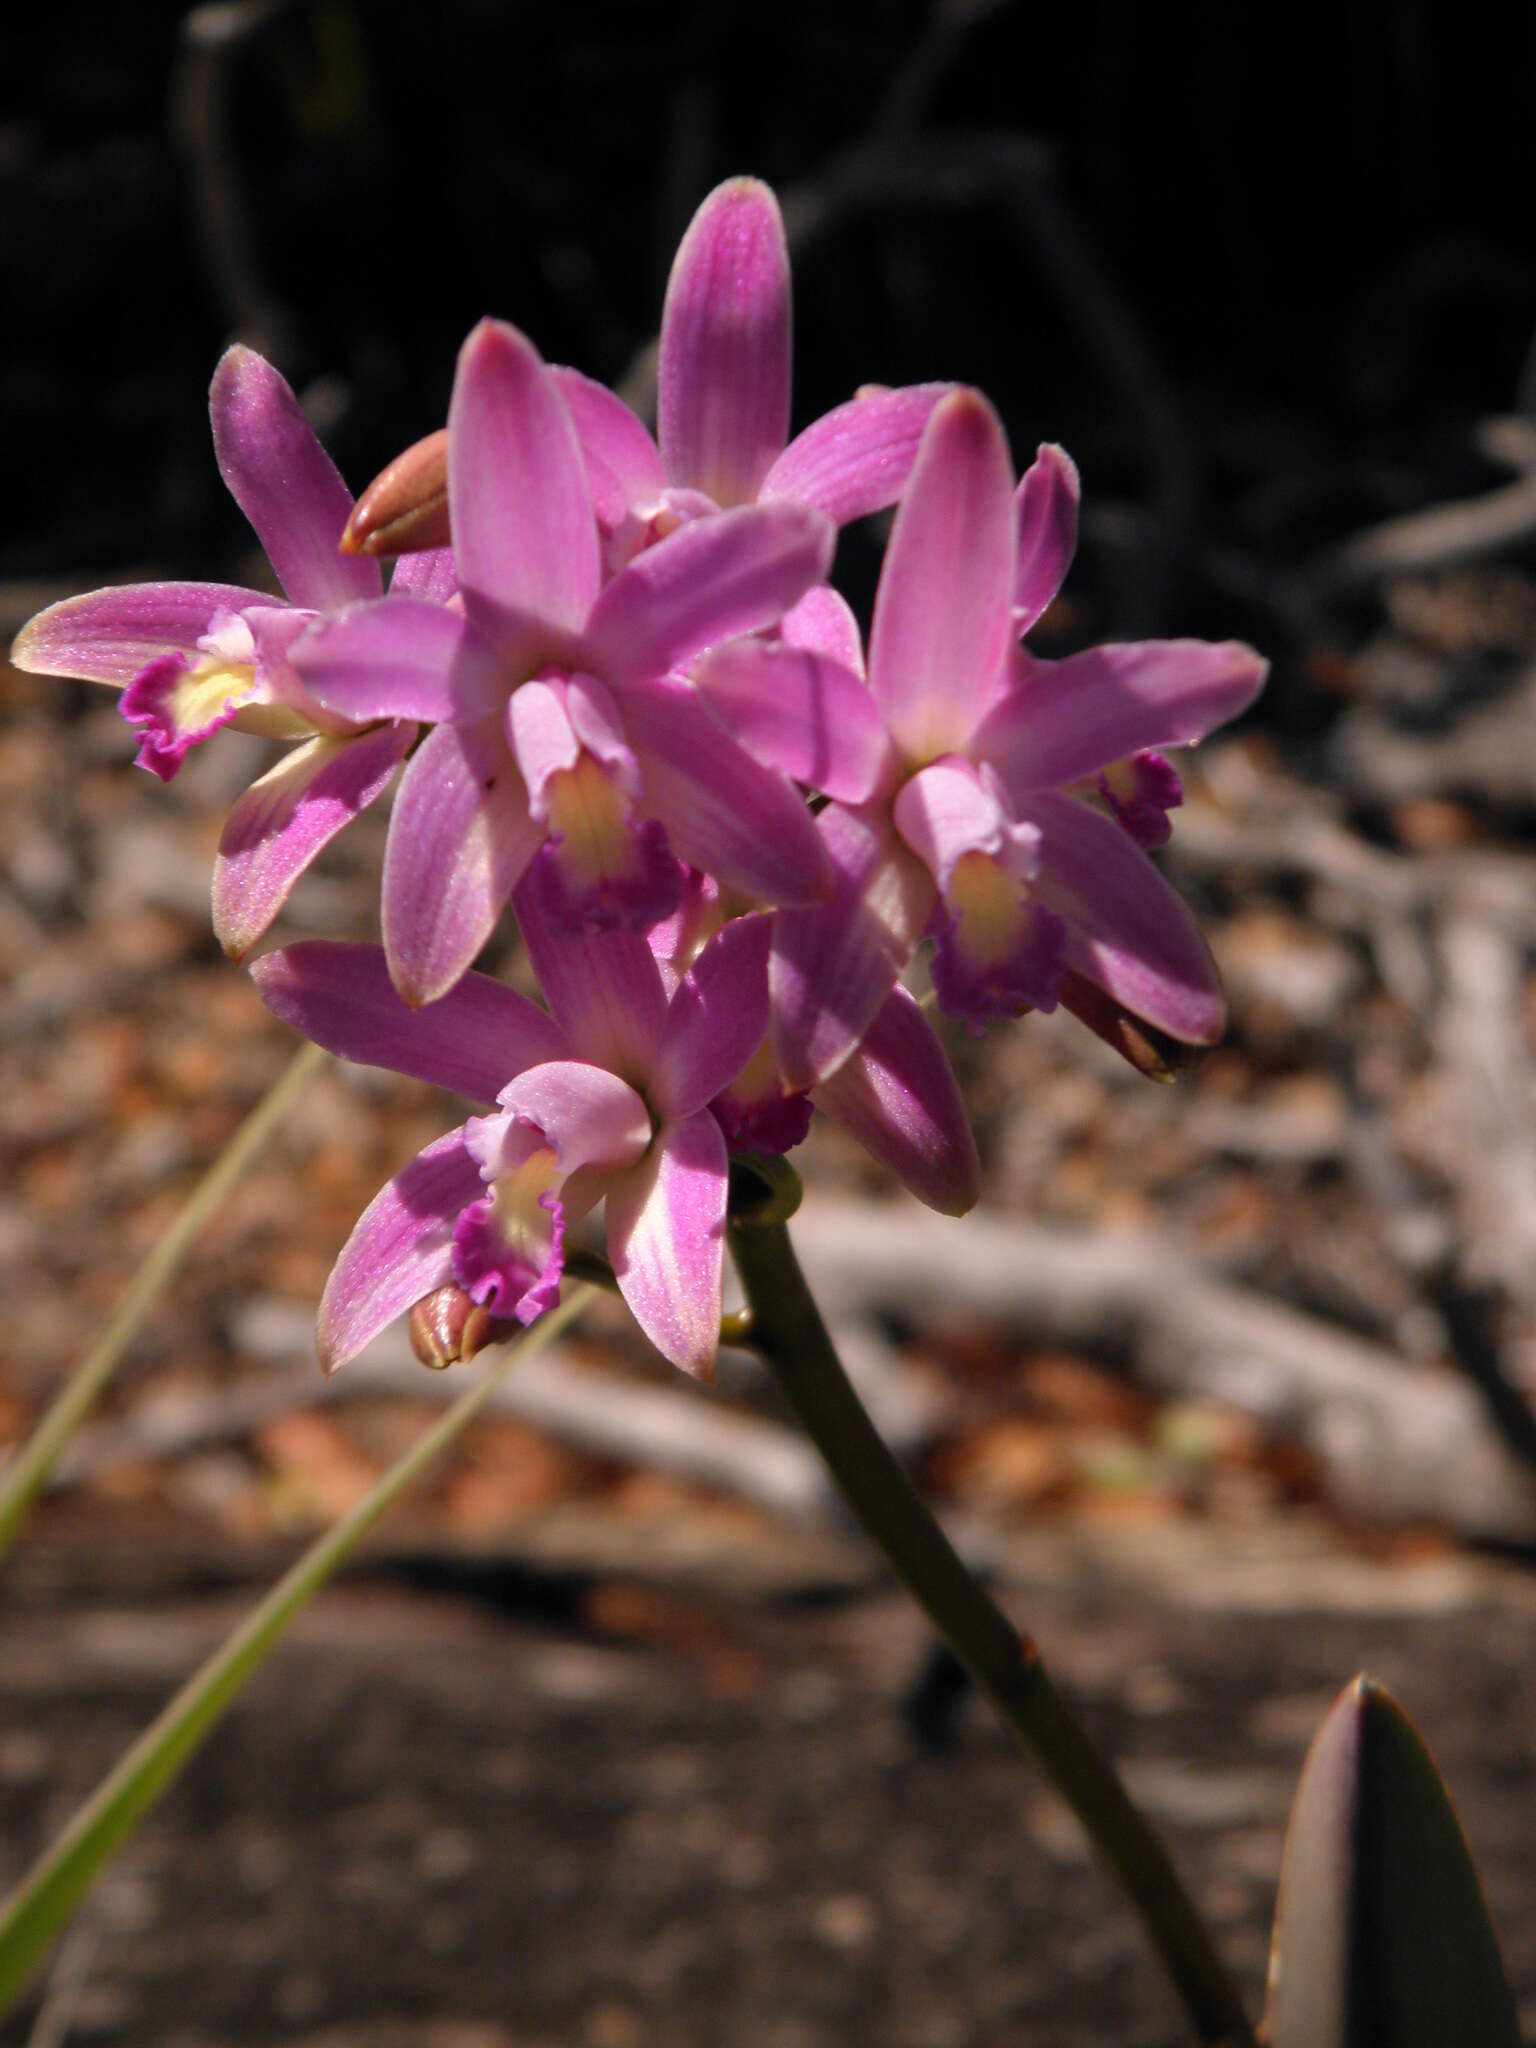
[(459, 837), (945, 811), (284, 820), (1130, 933), (725, 813), (1062, 720), (941, 629), (623, 467), (107, 636), (429, 574), (823, 623), (800, 713), (603, 988), (857, 458), (722, 399), (666, 1239), (899, 1098), (1046, 502), (524, 534), (716, 1020), (711, 580), (285, 483), (472, 1041), (399, 657), (588, 1115), (399, 1249), (831, 968), (542, 739)]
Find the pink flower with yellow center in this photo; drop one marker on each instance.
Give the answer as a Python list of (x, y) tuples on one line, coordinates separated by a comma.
[(191, 658)]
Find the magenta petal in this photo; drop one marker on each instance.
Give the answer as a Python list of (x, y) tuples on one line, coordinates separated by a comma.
[(722, 396), (831, 968), (588, 1116), (899, 1098), (723, 811), (459, 837), (666, 1239), (604, 988), (857, 458), (823, 623), (941, 630), (398, 658), (709, 581), (284, 820), (107, 636), (1062, 720), (717, 1018), (472, 1041), (623, 467), (800, 713), (1046, 500), (399, 1249), (285, 483), (524, 534), (1129, 932), (429, 575)]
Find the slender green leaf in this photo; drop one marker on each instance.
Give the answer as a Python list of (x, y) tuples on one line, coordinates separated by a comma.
[(43, 1901), (1382, 1936)]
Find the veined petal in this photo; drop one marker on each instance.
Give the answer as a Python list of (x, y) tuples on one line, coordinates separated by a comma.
[(823, 623), (1062, 720), (856, 459), (1046, 502), (899, 1098), (603, 988), (800, 713), (711, 580), (428, 574), (286, 817), (941, 631), (524, 534), (722, 395), (285, 483), (459, 837), (831, 968), (399, 1250), (107, 636), (472, 1041), (1129, 932), (716, 1019), (623, 466), (399, 657), (666, 1239), (723, 811)]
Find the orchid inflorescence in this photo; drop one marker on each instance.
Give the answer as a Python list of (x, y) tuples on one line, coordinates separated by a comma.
[(630, 704)]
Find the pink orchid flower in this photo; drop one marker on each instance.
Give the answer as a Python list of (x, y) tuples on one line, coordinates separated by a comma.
[(988, 817), (561, 730), (896, 1092), (602, 1096), (192, 657)]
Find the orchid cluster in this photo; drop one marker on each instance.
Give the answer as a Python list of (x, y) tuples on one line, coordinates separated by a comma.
[(630, 705)]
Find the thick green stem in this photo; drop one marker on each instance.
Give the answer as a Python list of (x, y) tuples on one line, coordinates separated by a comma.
[(25, 1475), (788, 1331), (44, 1899)]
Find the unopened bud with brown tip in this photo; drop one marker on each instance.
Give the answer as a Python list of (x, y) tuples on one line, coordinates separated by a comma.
[(447, 1326), (405, 508)]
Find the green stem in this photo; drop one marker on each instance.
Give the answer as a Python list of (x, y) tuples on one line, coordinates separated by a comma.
[(40, 1904), (787, 1329), (25, 1474)]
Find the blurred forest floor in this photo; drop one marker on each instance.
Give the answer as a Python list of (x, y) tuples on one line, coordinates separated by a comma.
[(617, 1735)]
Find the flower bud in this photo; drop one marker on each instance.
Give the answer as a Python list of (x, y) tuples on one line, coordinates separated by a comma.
[(405, 508), (447, 1326)]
